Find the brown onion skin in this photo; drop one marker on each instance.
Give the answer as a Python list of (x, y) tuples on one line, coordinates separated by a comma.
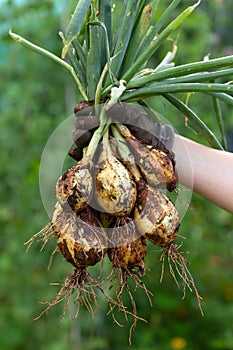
[(75, 186), (115, 190), (81, 239), (156, 218), (129, 255), (127, 248), (157, 164)]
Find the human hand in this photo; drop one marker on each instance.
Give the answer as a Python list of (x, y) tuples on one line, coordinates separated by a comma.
[(140, 125)]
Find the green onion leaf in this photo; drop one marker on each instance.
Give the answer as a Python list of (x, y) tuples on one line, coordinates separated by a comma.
[(223, 97), (161, 88), (219, 117), (182, 70), (75, 24), (93, 65), (154, 30), (200, 125), (123, 35), (105, 16), (50, 55), (157, 41), (138, 33)]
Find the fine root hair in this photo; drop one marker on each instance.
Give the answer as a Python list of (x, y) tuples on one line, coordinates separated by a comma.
[(178, 266), (120, 277)]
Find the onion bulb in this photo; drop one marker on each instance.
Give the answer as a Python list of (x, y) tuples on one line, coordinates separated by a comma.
[(127, 248), (75, 186), (156, 217), (156, 165), (129, 255), (81, 239), (115, 190)]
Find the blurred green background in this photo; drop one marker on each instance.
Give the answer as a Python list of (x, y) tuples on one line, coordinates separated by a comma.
[(36, 95)]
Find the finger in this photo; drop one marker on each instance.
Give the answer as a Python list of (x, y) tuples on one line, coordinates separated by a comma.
[(83, 105), (81, 137), (76, 153), (143, 135), (86, 122), (123, 113)]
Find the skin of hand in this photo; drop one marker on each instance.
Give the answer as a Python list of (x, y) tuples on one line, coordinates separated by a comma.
[(212, 171)]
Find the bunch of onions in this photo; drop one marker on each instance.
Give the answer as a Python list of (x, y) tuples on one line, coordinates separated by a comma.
[(114, 200)]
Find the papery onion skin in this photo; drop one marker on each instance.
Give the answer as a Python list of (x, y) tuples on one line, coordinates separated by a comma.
[(157, 165), (81, 239), (127, 248), (75, 186), (115, 189), (129, 255), (156, 217)]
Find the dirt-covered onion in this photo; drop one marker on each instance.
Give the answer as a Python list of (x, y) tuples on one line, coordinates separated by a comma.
[(127, 254), (75, 186), (156, 217), (115, 190), (128, 249), (83, 243), (156, 165), (81, 239)]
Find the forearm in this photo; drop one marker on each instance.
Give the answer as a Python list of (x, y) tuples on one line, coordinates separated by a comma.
[(212, 171)]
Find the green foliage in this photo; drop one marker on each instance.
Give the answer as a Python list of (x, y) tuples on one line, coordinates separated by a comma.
[(36, 95)]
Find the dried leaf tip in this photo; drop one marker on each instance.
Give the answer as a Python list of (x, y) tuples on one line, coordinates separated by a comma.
[(14, 36), (195, 5)]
